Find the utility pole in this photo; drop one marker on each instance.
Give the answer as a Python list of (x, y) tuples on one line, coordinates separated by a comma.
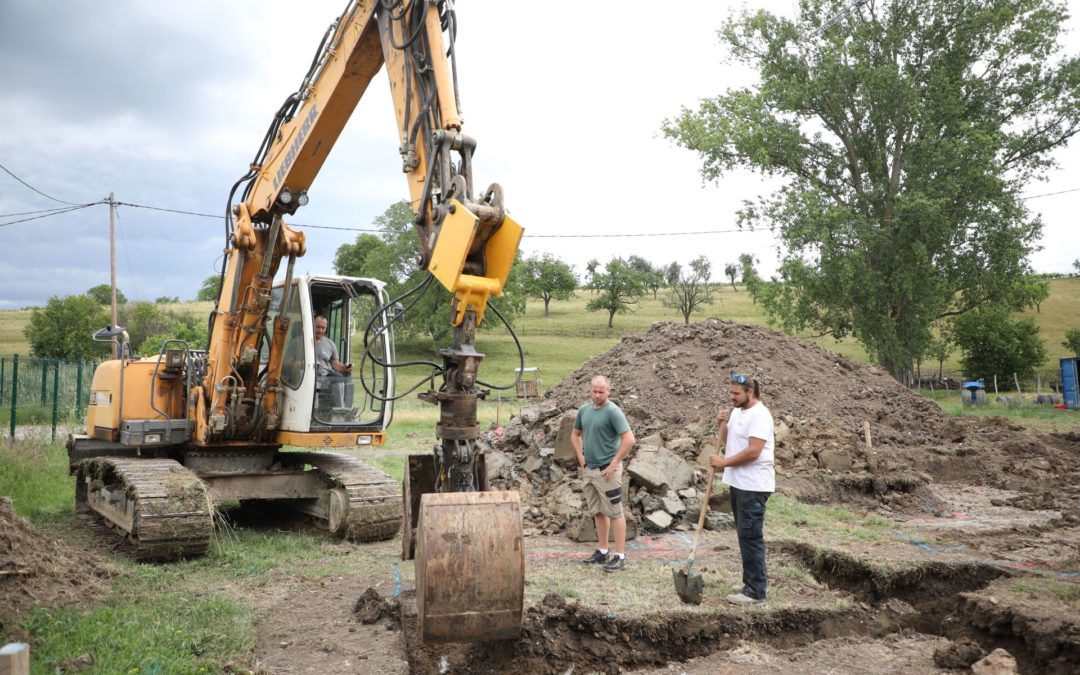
[(112, 267)]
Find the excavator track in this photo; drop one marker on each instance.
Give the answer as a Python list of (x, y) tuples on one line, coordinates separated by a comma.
[(374, 498), (162, 509)]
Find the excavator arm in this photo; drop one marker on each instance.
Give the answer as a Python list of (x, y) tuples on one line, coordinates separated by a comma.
[(468, 244)]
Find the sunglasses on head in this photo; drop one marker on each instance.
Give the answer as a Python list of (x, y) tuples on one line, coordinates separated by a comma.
[(740, 379)]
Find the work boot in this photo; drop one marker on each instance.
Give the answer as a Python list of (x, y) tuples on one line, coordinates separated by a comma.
[(615, 563), (744, 600), (597, 558)]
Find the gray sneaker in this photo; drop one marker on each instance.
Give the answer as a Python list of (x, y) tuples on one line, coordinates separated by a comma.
[(744, 600), (597, 558), (615, 563)]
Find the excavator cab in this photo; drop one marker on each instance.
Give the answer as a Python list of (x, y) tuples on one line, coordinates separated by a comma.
[(317, 398)]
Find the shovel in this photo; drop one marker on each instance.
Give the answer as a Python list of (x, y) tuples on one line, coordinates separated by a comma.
[(689, 585)]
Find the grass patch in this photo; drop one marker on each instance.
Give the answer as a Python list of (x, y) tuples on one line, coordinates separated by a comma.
[(821, 525), (34, 474), (1035, 417), (1038, 587), (173, 633)]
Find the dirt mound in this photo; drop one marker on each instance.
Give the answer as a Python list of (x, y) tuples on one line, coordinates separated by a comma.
[(671, 379), (38, 571)]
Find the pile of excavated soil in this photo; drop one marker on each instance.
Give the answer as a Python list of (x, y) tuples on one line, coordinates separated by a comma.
[(671, 379), (38, 571)]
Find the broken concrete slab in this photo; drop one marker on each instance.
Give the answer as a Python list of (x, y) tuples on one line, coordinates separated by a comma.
[(655, 467)]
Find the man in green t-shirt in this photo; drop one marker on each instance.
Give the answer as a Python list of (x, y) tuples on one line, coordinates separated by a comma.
[(602, 439)]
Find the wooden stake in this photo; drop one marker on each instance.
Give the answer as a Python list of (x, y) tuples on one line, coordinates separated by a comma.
[(1017, 381), (15, 659), (995, 384)]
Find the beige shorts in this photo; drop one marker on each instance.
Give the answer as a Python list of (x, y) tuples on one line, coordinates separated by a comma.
[(603, 495)]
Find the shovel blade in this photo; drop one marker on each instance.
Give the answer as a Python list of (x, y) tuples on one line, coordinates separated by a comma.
[(689, 585)]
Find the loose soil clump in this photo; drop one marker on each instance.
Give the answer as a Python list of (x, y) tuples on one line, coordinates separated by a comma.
[(39, 571)]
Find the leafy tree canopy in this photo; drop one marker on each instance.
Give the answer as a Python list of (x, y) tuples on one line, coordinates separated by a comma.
[(63, 328), (906, 132), (618, 287), (548, 278), (993, 342), (691, 289), (102, 293), (1072, 341), (210, 290)]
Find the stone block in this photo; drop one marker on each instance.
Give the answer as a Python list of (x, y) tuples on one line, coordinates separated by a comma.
[(834, 460), (564, 451), (656, 467), (659, 520)]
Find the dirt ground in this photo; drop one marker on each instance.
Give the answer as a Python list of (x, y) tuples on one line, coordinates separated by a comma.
[(982, 549)]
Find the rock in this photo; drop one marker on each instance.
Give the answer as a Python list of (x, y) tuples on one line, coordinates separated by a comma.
[(533, 464), (719, 521), (547, 452), (655, 440), (584, 528), (708, 447), (780, 432), (688, 493), (997, 662), (556, 474), (564, 451), (695, 429), (498, 464), (681, 445), (957, 655), (659, 520), (654, 467), (547, 409), (529, 415), (834, 460), (672, 504), (565, 502)]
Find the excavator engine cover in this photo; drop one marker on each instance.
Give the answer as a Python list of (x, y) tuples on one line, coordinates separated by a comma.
[(470, 566)]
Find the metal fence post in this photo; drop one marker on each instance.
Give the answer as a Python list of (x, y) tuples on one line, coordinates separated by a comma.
[(14, 391), (44, 363), (55, 395), (78, 386)]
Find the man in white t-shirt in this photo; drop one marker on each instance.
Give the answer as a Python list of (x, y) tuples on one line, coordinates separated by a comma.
[(748, 471)]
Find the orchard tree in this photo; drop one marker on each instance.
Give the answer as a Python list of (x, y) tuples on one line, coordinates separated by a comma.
[(548, 278), (905, 132), (691, 290), (63, 328), (103, 294), (994, 342), (653, 276), (671, 273), (731, 270), (618, 287), (940, 348)]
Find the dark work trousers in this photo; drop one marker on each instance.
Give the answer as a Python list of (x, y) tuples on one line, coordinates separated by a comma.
[(748, 508)]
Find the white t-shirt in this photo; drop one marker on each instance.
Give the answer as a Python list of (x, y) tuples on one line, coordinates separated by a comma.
[(755, 422)]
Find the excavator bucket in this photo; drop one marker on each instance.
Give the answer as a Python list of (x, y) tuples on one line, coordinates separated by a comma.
[(470, 566)]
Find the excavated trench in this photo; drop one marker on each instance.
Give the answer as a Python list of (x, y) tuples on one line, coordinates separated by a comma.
[(934, 598)]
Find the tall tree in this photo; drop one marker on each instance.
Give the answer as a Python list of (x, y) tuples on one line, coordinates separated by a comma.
[(618, 287), (1072, 341), (103, 294), (731, 270), (906, 132), (691, 290), (671, 273), (548, 278), (652, 276), (63, 328), (750, 276)]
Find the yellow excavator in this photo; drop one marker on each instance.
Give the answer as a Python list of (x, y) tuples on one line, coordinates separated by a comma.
[(170, 436)]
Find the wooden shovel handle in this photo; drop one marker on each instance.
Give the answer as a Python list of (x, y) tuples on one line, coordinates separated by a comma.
[(705, 504)]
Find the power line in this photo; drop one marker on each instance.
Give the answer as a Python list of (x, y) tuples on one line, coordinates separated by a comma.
[(61, 201), (27, 213), (54, 213)]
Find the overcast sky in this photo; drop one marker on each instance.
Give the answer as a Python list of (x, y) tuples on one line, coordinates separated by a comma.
[(165, 105)]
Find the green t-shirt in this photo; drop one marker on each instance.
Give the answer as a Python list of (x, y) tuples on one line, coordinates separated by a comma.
[(601, 432)]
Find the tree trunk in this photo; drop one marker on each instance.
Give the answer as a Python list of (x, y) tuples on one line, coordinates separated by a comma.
[(546, 301), (610, 318), (686, 318)]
